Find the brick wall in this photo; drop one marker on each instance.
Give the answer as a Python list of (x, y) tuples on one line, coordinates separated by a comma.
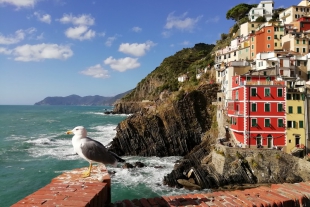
[(70, 189)]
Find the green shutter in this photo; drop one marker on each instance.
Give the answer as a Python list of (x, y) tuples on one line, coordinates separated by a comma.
[(267, 122), (280, 92), (253, 91), (299, 109), (280, 122), (267, 107), (280, 107), (294, 124), (290, 109), (254, 107), (267, 91), (254, 123), (301, 124)]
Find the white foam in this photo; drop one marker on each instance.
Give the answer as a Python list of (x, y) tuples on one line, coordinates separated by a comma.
[(149, 176)]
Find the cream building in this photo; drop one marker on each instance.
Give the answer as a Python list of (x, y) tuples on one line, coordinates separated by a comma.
[(294, 12)]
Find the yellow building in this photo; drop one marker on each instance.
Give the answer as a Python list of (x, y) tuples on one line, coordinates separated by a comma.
[(295, 120)]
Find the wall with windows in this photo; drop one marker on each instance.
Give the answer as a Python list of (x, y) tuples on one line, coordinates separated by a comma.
[(295, 120)]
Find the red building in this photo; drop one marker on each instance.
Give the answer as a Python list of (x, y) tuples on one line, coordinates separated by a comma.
[(304, 23), (256, 110)]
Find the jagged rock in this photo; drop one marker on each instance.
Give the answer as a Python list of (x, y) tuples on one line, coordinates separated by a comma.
[(239, 166), (173, 131), (139, 164), (127, 166), (188, 185)]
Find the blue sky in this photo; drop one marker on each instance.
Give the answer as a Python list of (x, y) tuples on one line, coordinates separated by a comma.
[(99, 47)]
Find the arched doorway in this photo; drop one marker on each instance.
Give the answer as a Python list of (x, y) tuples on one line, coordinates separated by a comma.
[(259, 141), (269, 141)]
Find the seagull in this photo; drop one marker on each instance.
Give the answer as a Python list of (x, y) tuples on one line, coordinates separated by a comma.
[(91, 150)]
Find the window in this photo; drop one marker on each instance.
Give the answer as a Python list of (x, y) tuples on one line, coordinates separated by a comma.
[(254, 122), (268, 45), (267, 122), (252, 46), (267, 107), (288, 96), (298, 62), (267, 92), (275, 44), (268, 31), (303, 42), (252, 13), (280, 107), (253, 91), (299, 109), (301, 124), (254, 106), (297, 41), (280, 92), (275, 36), (290, 109), (268, 38), (297, 49), (304, 50), (280, 123), (291, 124)]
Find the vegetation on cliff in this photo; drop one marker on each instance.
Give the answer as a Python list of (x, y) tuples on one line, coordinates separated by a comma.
[(165, 77)]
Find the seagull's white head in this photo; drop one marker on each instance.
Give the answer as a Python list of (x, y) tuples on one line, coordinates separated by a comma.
[(79, 131)]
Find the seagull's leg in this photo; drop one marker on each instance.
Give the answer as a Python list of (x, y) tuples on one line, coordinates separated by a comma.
[(87, 173)]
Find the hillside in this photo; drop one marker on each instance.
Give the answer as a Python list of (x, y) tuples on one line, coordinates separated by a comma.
[(82, 101), (165, 76)]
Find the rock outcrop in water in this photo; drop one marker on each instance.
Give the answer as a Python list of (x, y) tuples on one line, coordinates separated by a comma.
[(222, 167), (170, 128)]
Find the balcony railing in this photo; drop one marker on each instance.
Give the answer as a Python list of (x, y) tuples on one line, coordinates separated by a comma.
[(243, 83)]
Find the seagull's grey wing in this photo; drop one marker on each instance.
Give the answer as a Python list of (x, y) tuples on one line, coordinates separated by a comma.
[(95, 151)]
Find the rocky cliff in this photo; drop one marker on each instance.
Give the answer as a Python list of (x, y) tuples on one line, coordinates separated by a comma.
[(167, 128), (223, 167)]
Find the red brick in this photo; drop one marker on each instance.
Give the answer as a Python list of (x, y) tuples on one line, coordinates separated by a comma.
[(145, 203), (137, 202), (161, 201), (128, 203)]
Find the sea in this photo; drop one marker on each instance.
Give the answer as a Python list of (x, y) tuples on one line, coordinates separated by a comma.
[(34, 148)]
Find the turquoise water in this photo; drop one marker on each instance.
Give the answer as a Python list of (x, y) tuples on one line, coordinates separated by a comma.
[(34, 149)]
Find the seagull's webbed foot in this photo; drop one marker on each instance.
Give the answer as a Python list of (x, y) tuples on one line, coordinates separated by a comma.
[(88, 172)]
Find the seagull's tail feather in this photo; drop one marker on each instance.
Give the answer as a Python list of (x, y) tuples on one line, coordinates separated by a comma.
[(118, 158)]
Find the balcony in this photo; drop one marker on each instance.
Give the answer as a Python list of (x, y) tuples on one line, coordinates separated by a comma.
[(257, 83), (239, 113)]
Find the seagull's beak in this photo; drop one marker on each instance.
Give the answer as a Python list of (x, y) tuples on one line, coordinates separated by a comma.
[(69, 132)]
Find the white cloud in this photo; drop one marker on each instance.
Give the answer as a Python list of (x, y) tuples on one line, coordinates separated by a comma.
[(166, 34), (20, 3), (185, 43), (12, 39), (136, 29), (181, 22), (5, 51), (110, 41), (78, 20), (80, 33), (135, 48), (96, 71), (213, 19), (43, 51), (122, 64), (46, 18), (40, 37)]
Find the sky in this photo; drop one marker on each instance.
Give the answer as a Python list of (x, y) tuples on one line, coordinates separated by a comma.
[(98, 47)]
